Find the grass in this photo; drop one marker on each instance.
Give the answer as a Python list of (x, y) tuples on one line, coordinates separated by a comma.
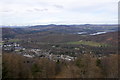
[(89, 43), (14, 40), (1, 43)]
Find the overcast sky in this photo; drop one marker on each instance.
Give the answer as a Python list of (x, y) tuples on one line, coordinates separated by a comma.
[(34, 12)]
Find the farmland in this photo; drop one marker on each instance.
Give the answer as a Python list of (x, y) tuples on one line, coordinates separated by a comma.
[(89, 43)]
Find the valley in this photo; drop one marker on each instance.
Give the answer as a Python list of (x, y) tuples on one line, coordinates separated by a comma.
[(61, 45)]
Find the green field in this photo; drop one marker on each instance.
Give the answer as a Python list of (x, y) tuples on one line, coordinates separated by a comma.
[(89, 43), (1, 43), (14, 40)]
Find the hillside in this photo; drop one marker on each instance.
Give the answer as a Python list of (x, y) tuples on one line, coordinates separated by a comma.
[(60, 51), (59, 29)]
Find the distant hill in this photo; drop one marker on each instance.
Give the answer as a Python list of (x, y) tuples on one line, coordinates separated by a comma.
[(56, 29)]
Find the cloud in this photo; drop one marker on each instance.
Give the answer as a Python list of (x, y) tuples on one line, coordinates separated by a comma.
[(25, 12), (37, 9), (59, 6)]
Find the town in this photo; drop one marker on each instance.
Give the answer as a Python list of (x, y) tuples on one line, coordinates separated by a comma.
[(33, 53)]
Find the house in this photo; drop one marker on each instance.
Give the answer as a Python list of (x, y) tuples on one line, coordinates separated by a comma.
[(17, 48), (27, 55)]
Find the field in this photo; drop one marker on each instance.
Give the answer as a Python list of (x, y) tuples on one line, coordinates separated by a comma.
[(14, 40), (89, 43)]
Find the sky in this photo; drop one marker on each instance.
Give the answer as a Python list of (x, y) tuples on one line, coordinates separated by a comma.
[(40, 12)]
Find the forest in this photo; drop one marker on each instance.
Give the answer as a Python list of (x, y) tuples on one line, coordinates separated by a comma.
[(85, 66)]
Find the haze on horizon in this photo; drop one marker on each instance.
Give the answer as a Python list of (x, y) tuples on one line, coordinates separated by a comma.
[(31, 12)]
